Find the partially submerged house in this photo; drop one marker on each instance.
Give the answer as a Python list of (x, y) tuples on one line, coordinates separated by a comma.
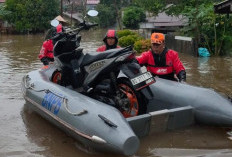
[(162, 23)]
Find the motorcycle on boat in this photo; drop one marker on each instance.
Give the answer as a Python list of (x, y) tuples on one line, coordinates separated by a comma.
[(113, 77)]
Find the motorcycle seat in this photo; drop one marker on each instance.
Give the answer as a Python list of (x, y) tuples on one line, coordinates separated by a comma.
[(95, 56)]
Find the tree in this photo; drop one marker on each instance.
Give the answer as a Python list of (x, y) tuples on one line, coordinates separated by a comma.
[(31, 15), (152, 6), (113, 6), (106, 16), (203, 23), (3, 11), (132, 16)]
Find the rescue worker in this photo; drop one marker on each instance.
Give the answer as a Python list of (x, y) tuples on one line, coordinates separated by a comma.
[(46, 52), (110, 40), (161, 61)]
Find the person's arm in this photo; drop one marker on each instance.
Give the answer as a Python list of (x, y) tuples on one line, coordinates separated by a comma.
[(143, 58), (42, 55), (101, 48), (178, 67)]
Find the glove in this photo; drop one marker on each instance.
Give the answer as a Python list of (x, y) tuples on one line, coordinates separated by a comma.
[(135, 61), (45, 61), (182, 76)]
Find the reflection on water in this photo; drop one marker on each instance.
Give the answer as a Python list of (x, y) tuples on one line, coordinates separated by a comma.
[(24, 133)]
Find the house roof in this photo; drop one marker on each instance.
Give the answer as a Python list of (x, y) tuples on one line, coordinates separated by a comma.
[(224, 7), (93, 2), (2, 1), (162, 19)]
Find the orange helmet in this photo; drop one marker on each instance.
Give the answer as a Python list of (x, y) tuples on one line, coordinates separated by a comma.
[(157, 38)]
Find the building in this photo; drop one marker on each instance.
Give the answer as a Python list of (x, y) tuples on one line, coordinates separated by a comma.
[(224, 7), (91, 4), (162, 23)]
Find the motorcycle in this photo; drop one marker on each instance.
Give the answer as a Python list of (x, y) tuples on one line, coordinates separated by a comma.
[(113, 77)]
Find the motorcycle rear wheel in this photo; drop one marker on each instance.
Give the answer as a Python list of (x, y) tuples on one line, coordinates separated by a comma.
[(137, 102)]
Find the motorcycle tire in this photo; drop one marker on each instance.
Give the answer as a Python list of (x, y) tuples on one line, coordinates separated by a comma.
[(137, 102)]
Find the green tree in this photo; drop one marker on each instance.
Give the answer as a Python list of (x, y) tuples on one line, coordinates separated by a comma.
[(115, 7), (106, 16), (204, 24), (132, 16), (3, 11), (152, 6), (31, 15)]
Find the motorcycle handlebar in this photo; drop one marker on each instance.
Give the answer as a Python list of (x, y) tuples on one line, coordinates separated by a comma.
[(74, 31)]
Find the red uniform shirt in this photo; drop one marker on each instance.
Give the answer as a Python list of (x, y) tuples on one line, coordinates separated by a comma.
[(46, 50), (103, 48), (173, 63)]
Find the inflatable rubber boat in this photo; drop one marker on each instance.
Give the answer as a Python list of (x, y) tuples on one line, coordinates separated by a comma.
[(104, 128)]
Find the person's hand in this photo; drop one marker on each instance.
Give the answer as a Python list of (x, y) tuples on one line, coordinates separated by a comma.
[(182, 81)]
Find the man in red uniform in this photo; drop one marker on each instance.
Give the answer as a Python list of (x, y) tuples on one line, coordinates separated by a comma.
[(46, 52), (110, 40), (161, 61)]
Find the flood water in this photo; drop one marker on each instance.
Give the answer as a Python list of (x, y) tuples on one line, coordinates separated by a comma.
[(23, 133)]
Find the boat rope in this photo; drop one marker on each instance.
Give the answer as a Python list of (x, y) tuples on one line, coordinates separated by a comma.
[(65, 100)]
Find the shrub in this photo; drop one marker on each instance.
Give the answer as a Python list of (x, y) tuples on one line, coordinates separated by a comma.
[(128, 40), (125, 32), (142, 45)]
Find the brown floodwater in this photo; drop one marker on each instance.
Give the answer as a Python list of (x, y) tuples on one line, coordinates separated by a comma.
[(23, 133)]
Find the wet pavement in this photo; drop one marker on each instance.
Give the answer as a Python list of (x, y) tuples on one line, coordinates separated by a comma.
[(24, 133)]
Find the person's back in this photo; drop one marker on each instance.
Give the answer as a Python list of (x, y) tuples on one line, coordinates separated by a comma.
[(110, 40), (46, 52)]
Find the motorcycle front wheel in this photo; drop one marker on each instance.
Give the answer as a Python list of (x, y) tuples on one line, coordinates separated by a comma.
[(136, 103)]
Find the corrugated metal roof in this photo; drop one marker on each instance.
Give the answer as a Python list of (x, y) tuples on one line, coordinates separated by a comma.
[(163, 17), (160, 24), (2, 1), (162, 20), (93, 2)]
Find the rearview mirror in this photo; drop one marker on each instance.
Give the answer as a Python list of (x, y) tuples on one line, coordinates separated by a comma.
[(92, 13), (54, 23)]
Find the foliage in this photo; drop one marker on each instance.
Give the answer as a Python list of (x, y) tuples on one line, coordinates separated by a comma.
[(142, 45), (125, 32), (113, 6), (132, 16), (31, 15), (209, 29), (106, 16), (128, 40), (3, 11), (153, 6)]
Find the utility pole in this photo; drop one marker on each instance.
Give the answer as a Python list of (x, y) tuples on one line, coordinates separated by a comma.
[(61, 8), (71, 13)]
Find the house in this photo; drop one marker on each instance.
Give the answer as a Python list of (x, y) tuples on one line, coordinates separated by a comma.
[(162, 23), (224, 7), (91, 4), (2, 1)]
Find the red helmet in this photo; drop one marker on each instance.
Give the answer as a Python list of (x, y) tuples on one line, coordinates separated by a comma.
[(111, 34)]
